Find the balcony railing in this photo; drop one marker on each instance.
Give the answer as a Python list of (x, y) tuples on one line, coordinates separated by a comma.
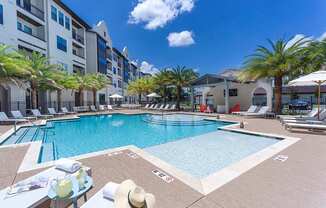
[(31, 34), (77, 37), (31, 9), (78, 53)]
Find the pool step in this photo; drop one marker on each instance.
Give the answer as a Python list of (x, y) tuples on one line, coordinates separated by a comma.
[(16, 137), (29, 135), (48, 152)]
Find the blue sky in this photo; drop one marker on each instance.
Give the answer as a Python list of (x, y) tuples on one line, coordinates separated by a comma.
[(218, 33)]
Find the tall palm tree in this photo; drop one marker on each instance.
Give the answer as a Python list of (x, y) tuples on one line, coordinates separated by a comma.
[(39, 68), (141, 86), (12, 68), (97, 82), (182, 77), (281, 59), (162, 80)]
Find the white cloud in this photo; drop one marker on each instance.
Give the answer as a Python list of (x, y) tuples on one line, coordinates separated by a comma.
[(148, 68), (184, 38), (157, 13), (322, 37), (297, 38)]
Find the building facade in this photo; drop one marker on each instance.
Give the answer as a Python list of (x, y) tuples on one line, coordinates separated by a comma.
[(51, 28)]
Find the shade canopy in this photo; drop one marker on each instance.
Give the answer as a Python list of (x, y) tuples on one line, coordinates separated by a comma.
[(116, 96), (315, 78), (153, 95)]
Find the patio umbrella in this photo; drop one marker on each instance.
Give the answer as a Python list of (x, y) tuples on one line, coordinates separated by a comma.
[(154, 95), (316, 78), (117, 96)]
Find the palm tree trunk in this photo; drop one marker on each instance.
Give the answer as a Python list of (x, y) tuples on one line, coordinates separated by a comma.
[(278, 94), (94, 97), (178, 97), (59, 93), (164, 95), (139, 98), (81, 97), (34, 95)]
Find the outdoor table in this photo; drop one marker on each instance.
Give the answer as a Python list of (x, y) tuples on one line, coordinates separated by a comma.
[(76, 193)]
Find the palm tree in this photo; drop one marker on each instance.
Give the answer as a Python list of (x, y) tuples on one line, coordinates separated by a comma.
[(97, 82), (39, 68), (281, 59), (12, 68), (141, 86), (182, 77), (162, 80)]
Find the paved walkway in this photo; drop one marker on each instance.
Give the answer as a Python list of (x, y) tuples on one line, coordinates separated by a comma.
[(299, 182)]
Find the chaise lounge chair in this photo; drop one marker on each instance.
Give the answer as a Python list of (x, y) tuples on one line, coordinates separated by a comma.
[(18, 115), (54, 113), (146, 106), (172, 108), (38, 114), (4, 119), (313, 120), (65, 111), (261, 112), (109, 107), (251, 109), (311, 127), (93, 108), (311, 115)]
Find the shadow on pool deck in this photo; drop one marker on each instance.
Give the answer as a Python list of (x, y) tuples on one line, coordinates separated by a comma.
[(299, 182)]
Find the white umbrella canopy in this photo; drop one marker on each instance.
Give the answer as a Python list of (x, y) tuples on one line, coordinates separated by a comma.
[(154, 95), (117, 96), (317, 78)]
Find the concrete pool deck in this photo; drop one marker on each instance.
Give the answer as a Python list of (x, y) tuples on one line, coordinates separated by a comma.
[(298, 182)]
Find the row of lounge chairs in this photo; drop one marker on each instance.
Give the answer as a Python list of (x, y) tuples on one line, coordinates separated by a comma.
[(92, 108), (253, 111), (309, 121), (161, 107)]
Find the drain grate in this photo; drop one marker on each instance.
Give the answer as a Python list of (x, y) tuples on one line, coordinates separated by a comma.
[(133, 155), (281, 158), (165, 177)]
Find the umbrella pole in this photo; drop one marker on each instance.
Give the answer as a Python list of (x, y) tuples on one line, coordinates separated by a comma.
[(318, 101)]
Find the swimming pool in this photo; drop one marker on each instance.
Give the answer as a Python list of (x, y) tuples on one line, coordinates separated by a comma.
[(95, 133)]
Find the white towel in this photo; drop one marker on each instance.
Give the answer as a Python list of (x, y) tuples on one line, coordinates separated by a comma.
[(109, 190), (67, 165)]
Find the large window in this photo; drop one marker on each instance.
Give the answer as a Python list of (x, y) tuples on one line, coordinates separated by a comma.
[(1, 14), (101, 54), (61, 18), (54, 13), (61, 44), (67, 22)]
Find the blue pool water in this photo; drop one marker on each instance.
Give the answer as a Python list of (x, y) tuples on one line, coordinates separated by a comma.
[(95, 133)]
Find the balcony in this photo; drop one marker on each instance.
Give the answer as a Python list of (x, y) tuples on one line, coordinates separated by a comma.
[(30, 27), (78, 51), (77, 37), (31, 8)]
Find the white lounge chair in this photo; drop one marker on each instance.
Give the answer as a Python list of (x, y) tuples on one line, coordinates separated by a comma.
[(65, 111), (315, 120), (109, 107), (261, 112), (251, 109), (38, 114), (98, 201), (166, 107), (146, 106), (311, 115), (4, 119), (101, 107), (161, 107), (151, 106), (18, 115), (54, 113), (172, 108), (316, 127), (93, 108)]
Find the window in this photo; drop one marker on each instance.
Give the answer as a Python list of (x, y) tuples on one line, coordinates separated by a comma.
[(114, 70), (54, 13), (28, 30), (19, 26), (61, 44), (119, 84), (67, 22), (1, 14), (61, 18), (232, 92)]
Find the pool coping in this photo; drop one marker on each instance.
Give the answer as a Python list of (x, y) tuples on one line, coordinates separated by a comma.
[(204, 186)]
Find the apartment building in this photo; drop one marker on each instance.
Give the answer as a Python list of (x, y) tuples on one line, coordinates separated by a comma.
[(51, 28)]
